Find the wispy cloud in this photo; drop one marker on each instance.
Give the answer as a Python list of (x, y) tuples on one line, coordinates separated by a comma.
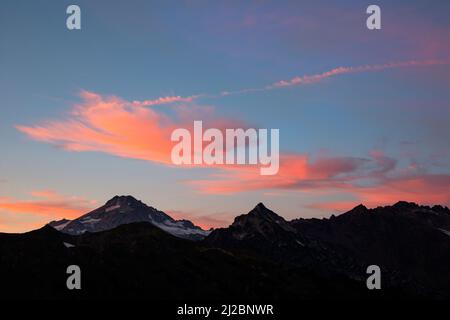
[(45, 205), (126, 129), (164, 100), (299, 80), (314, 78), (425, 188), (205, 221), (131, 129), (297, 171), (319, 77), (373, 180)]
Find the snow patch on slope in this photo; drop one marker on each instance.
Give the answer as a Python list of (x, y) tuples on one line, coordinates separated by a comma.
[(111, 208), (90, 220), (447, 232), (62, 225), (178, 229), (68, 245)]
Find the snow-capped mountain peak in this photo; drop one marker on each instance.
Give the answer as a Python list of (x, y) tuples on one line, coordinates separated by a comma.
[(126, 209)]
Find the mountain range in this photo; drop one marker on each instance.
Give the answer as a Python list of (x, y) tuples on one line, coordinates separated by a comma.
[(125, 249)]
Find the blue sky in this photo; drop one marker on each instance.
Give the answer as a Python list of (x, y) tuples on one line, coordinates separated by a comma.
[(139, 50)]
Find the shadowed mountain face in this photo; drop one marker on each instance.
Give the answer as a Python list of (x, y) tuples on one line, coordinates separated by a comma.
[(259, 256), (139, 260), (126, 209), (410, 243), (263, 232)]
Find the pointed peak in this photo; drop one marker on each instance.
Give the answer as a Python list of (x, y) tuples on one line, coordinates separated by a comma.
[(261, 206), (360, 207), (259, 212), (259, 221)]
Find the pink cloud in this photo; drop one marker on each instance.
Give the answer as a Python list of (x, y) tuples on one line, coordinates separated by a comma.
[(334, 206), (46, 205), (421, 188), (205, 221), (297, 171), (126, 129), (109, 125), (375, 180)]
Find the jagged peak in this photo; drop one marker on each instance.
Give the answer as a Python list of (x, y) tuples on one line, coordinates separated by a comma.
[(360, 207), (259, 214), (405, 205)]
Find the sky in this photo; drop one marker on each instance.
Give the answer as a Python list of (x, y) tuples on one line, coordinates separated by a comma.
[(87, 114)]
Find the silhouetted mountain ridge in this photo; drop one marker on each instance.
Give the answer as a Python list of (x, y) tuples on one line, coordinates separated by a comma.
[(411, 243), (260, 256)]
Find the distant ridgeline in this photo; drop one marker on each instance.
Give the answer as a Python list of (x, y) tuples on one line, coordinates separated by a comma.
[(127, 249)]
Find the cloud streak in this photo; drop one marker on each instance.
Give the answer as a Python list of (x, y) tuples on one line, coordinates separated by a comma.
[(314, 78), (319, 77), (205, 221), (164, 100), (298, 80), (373, 180), (296, 172), (48, 203)]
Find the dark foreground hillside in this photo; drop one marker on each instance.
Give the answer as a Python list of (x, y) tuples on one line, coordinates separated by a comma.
[(260, 257)]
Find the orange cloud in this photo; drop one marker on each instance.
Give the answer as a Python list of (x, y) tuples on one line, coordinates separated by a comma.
[(121, 128), (217, 220), (22, 215), (14, 224), (297, 171), (424, 188), (131, 130), (48, 203), (109, 125), (373, 181)]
